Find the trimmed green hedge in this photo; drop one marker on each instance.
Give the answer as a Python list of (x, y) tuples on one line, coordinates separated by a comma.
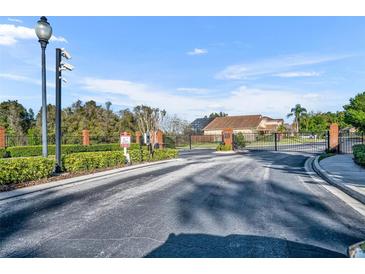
[(223, 147), (28, 151), (359, 154), (13, 170), (93, 160), (165, 154), (138, 156), (25, 169)]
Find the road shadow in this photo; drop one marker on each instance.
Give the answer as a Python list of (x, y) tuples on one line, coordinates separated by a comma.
[(236, 246)]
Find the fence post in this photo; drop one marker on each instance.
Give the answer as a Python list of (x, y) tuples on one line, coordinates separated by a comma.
[(2, 137), (85, 137), (276, 141), (190, 141)]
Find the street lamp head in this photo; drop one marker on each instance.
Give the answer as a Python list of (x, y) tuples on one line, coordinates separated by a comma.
[(43, 30)]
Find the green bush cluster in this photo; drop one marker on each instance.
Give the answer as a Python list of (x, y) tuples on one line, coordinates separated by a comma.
[(28, 151), (3, 153), (240, 140), (86, 161), (25, 169), (143, 155), (359, 154), (224, 147)]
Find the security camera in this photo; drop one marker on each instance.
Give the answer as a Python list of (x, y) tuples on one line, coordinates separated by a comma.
[(65, 54), (65, 66)]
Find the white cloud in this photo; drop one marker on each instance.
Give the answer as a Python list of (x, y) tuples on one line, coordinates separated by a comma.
[(197, 51), (293, 74), (10, 34), (15, 20), (25, 79), (274, 65), (197, 91), (240, 101)]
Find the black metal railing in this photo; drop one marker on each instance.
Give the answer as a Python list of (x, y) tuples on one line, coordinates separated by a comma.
[(303, 141), (193, 141), (347, 140)]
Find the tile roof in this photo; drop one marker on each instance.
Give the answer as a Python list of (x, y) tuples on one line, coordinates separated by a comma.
[(234, 122)]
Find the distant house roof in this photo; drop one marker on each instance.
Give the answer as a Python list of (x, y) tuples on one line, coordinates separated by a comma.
[(234, 122), (200, 123)]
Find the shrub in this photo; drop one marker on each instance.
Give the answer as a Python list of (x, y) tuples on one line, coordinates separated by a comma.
[(87, 161), (28, 151), (170, 142), (359, 154), (224, 147), (4, 153), (25, 169), (240, 140), (138, 156), (165, 154)]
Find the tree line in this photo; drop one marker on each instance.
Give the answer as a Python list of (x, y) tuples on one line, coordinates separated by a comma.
[(353, 115), (101, 120)]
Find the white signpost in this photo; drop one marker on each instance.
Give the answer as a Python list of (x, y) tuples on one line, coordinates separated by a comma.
[(125, 142)]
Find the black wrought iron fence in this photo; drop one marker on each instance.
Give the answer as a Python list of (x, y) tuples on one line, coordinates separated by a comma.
[(348, 139), (303, 141), (193, 141)]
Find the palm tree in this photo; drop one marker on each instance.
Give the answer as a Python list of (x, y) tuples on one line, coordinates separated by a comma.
[(298, 111)]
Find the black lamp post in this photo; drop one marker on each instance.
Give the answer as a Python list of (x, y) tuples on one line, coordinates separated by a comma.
[(43, 31)]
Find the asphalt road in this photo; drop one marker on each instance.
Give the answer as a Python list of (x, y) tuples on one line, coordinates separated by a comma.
[(259, 204)]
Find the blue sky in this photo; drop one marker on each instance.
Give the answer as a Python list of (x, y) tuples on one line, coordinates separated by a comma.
[(191, 66)]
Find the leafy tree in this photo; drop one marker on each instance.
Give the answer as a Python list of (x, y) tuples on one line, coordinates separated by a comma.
[(148, 118), (15, 118), (216, 114), (298, 112), (355, 112), (281, 129), (173, 125), (126, 121)]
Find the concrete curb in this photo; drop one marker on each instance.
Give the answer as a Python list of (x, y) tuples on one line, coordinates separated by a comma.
[(76, 180), (337, 182)]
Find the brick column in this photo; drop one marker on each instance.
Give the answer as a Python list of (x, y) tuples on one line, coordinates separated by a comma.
[(334, 137), (138, 137), (85, 137), (159, 138), (228, 136), (2, 137)]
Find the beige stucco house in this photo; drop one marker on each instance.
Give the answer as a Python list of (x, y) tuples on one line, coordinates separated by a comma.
[(243, 123)]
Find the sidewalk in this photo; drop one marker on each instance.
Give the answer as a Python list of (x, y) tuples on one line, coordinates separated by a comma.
[(342, 171)]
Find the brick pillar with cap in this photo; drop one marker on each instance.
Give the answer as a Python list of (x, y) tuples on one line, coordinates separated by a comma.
[(334, 131), (86, 137), (138, 137), (227, 136), (2, 137), (159, 138)]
